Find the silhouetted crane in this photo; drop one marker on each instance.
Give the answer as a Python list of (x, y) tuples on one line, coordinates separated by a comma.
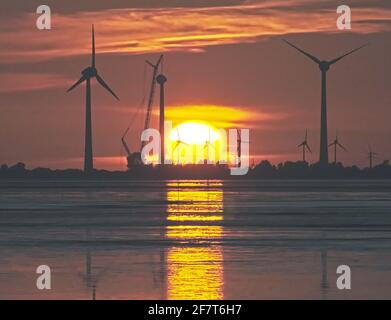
[(155, 68), (134, 159)]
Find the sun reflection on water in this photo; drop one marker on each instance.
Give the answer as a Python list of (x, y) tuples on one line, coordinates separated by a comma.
[(195, 265)]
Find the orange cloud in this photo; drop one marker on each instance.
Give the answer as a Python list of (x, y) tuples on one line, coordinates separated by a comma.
[(136, 31), (228, 116)]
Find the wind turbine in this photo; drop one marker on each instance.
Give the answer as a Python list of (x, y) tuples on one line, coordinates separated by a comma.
[(239, 147), (336, 144), (324, 66), (305, 145), (177, 143), (87, 74), (206, 147), (371, 155)]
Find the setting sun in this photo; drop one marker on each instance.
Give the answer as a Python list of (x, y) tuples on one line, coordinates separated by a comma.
[(194, 133), (194, 142)]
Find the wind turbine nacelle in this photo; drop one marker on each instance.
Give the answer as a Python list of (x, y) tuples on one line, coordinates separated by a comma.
[(161, 79), (89, 72), (324, 66)]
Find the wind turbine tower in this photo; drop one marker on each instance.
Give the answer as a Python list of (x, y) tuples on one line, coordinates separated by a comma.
[(324, 66), (87, 75), (239, 148), (161, 80)]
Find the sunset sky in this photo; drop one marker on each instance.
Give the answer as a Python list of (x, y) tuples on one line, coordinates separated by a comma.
[(225, 63)]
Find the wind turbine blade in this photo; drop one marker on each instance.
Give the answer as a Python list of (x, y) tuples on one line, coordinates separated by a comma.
[(104, 84), (300, 145), (331, 144), (347, 54), (93, 47), (178, 135), (306, 134), (313, 58), (150, 63), (126, 132), (308, 148), (340, 145), (155, 66), (77, 83), (159, 61)]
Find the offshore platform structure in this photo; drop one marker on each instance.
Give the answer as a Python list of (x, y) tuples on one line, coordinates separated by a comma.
[(134, 158)]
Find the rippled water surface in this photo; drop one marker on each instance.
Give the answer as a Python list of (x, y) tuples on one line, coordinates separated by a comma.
[(195, 239)]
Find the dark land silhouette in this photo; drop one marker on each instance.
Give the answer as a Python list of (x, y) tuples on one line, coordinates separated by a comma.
[(263, 170)]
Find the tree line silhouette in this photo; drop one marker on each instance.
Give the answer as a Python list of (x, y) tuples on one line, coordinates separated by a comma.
[(266, 170)]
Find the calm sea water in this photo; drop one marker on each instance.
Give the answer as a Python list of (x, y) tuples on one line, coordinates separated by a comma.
[(195, 239)]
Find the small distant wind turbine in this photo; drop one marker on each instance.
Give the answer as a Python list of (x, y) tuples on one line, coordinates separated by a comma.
[(206, 147), (239, 147), (87, 75), (324, 66), (177, 143), (371, 156), (336, 144), (305, 145)]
